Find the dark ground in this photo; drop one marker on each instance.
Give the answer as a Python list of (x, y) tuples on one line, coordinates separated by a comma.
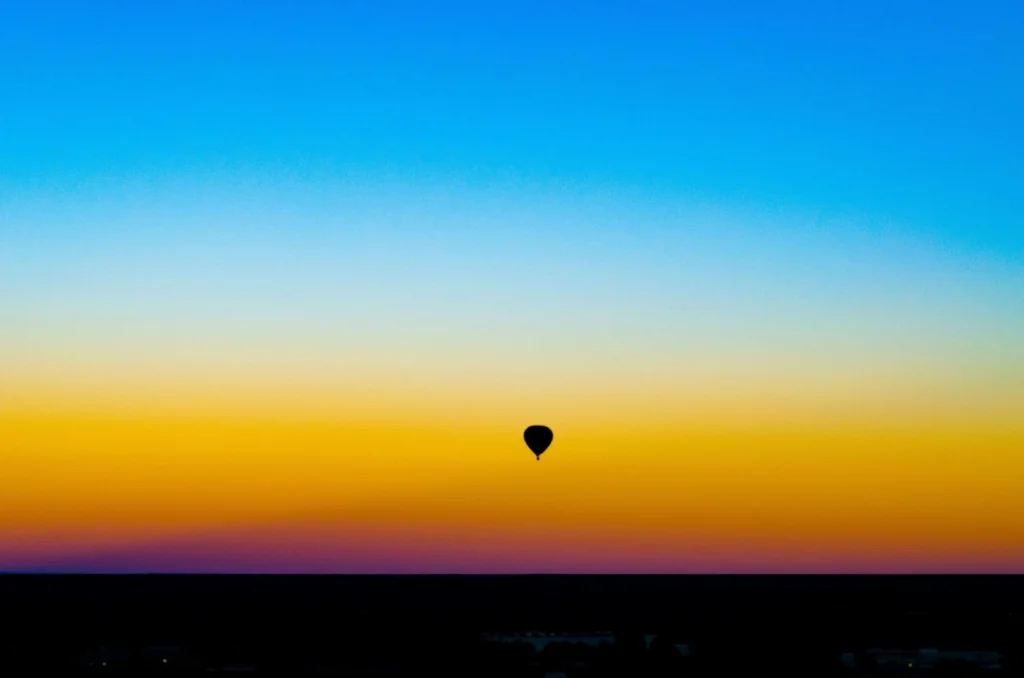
[(430, 625)]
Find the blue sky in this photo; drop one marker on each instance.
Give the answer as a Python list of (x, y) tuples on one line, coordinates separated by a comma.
[(907, 109), (838, 172)]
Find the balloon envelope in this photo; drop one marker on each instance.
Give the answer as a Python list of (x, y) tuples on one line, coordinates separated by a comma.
[(538, 438)]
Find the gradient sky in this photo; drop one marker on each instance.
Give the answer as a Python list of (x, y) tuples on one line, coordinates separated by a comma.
[(281, 284)]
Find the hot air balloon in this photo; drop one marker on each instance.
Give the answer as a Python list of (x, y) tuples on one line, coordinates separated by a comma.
[(538, 438)]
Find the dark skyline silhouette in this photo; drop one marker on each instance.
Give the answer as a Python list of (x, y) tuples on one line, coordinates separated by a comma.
[(729, 625)]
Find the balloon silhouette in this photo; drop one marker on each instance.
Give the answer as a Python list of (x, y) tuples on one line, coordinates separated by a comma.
[(538, 438)]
